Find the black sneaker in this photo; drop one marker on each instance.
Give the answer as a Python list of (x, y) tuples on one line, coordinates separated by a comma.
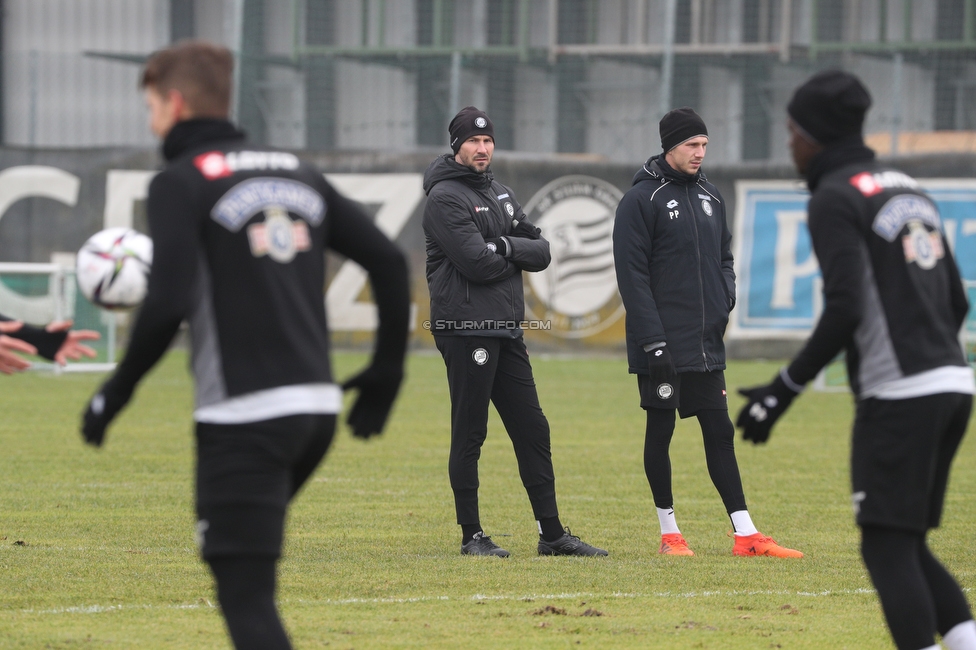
[(481, 544), (569, 544)]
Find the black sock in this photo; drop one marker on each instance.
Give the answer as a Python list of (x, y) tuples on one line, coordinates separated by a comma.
[(245, 589), (552, 528), (468, 531)]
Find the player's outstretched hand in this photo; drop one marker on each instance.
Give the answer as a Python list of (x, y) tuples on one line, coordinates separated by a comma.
[(378, 386), (102, 409), (10, 362), (765, 405), (72, 347)]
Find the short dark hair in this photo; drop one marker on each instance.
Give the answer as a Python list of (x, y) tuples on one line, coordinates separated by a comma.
[(201, 71)]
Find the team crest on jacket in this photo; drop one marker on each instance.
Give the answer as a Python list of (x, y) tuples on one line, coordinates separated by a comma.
[(707, 207), (278, 236), (577, 294), (480, 356), (922, 246)]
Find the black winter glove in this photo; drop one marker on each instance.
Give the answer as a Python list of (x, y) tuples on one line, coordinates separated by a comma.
[(378, 387), (500, 246), (765, 405), (661, 367), (102, 409), (525, 229)]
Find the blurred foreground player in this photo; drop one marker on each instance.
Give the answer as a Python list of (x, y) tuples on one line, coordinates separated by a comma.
[(240, 237), (57, 342), (894, 301)]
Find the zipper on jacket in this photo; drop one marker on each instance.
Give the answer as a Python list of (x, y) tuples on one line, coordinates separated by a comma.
[(701, 281)]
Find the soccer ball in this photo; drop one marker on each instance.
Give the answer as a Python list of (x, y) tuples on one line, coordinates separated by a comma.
[(112, 268)]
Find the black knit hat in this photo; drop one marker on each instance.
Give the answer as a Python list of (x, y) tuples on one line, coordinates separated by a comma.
[(830, 105), (467, 123), (679, 125)]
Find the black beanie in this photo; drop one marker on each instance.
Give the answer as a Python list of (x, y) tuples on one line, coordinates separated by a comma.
[(830, 105), (679, 125), (467, 123)]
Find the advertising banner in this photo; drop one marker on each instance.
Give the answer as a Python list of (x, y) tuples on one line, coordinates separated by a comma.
[(778, 283)]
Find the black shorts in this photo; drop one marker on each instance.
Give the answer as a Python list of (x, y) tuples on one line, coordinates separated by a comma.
[(693, 392), (246, 475), (900, 458)]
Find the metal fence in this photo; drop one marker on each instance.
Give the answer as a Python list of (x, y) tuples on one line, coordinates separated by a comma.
[(557, 76)]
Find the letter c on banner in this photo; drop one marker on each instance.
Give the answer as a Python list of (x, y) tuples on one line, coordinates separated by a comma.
[(25, 181)]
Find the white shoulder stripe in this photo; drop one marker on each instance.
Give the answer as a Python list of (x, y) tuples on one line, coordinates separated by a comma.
[(659, 189), (709, 193)]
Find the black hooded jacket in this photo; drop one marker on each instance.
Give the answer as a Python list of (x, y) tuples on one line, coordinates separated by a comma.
[(672, 252), (239, 235), (893, 297), (475, 289)]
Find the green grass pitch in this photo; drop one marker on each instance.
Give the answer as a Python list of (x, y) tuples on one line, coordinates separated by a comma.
[(96, 546)]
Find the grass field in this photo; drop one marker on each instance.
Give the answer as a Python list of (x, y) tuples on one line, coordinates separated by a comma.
[(96, 547)]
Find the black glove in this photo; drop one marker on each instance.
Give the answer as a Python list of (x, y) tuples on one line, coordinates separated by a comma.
[(661, 367), (765, 405), (524, 228), (501, 246), (378, 387), (102, 409)]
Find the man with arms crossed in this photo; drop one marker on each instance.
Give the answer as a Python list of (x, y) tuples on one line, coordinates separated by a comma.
[(239, 239), (478, 244), (894, 301)]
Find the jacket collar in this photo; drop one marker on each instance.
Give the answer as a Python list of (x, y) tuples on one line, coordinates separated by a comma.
[(657, 167), (835, 155), (190, 134)]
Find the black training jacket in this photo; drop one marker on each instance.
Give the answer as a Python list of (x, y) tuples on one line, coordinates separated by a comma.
[(474, 290), (673, 257), (893, 297), (239, 236)]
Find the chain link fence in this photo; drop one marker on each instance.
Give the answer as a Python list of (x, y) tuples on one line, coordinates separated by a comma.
[(581, 77)]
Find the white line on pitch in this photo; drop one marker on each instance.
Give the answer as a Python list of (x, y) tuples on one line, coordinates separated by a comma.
[(101, 609)]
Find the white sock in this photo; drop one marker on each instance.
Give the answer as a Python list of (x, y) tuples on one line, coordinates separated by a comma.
[(668, 523), (742, 523), (961, 637)]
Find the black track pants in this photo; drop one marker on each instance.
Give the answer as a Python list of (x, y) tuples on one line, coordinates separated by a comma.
[(718, 435), (245, 589), (483, 369), (918, 595)]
